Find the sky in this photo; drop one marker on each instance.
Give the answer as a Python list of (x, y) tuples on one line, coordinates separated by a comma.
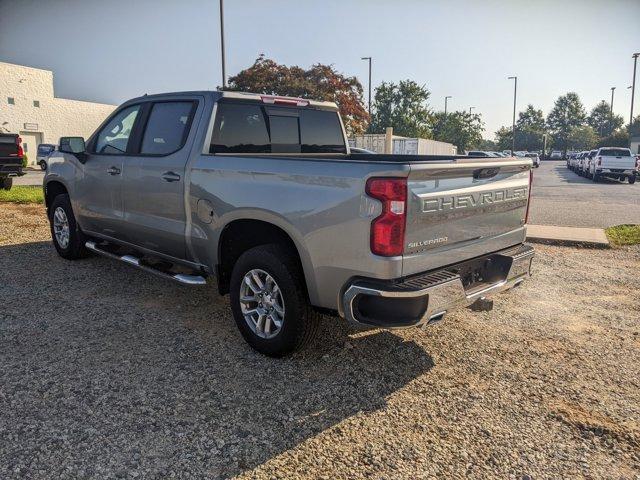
[(112, 50)]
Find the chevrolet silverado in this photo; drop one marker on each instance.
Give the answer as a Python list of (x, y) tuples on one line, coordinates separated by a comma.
[(263, 194)]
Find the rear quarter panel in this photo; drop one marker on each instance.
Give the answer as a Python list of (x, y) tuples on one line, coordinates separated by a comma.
[(319, 203)]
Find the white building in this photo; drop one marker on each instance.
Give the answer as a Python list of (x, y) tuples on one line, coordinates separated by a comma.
[(29, 108), (390, 143)]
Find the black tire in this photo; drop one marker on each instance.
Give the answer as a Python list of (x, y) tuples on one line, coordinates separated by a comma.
[(300, 321), (76, 246), (632, 179), (6, 183), (43, 165)]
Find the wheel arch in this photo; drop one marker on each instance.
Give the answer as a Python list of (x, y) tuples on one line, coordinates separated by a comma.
[(52, 189), (239, 235)]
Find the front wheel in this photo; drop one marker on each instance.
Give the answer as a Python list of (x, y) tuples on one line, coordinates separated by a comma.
[(269, 301), (632, 179), (65, 231)]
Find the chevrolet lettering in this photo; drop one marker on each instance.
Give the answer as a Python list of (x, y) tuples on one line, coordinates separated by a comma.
[(471, 200)]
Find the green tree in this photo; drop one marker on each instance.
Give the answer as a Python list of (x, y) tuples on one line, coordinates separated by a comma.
[(583, 137), (601, 120), (463, 129), (634, 128), (320, 82), (567, 112), (619, 138), (404, 107), (488, 145), (530, 128), (503, 138)]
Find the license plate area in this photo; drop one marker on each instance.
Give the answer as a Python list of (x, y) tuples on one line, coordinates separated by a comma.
[(480, 272)]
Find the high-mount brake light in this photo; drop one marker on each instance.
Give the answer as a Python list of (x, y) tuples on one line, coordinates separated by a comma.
[(387, 230), (295, 102)]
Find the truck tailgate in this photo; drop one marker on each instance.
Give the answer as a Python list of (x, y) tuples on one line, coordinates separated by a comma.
[(462, 209), (618, 162)]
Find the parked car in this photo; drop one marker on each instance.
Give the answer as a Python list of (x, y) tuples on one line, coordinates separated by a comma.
[(574, 161), (44, 150), (571, 157), (555, 155), (260, 192), (614, 163), (11, 156), (480, 153), (583, 166), (361, 150), (535, 158)]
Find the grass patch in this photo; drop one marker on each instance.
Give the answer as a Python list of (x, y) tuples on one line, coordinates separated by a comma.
[(624, 234), (22, 194)]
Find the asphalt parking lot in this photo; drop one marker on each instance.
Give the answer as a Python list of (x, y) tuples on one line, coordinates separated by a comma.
[(562, 197), (107, 372), (32, 177)]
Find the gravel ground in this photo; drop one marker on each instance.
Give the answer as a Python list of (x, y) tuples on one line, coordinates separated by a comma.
[(106, 372), (562, 197)]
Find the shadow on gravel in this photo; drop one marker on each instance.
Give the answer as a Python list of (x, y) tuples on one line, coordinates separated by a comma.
[(106, 371)]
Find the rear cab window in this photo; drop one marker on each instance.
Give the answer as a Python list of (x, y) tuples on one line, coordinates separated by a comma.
[(615, 152), (256, 128)]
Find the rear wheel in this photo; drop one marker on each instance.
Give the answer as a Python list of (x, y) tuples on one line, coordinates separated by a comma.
[(269, 302), (6, 183), (632, 179), (43, 165), (65, 232)]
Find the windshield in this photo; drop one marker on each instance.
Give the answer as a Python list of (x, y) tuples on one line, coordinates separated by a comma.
[(44, 149)]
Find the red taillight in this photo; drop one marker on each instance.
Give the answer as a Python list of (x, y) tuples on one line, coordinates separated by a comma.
[(19, 143), (387, 230), (296, 102), (526, 215)]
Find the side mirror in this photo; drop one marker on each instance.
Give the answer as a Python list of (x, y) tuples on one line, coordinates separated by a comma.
[(72, 145)]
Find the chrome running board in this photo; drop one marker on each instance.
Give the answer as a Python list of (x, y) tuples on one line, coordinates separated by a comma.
[(135, 262)]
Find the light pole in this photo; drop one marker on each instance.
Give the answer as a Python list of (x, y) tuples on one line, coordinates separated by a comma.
[(445, 104), (471, 108), (513, 125), (633, 85), (613, 89), (369, 58), (224, 75)]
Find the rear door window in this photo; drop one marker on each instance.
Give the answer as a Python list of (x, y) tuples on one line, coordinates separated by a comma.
[(167, 128)]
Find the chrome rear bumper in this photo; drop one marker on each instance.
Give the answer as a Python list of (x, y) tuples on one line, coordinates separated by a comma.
[(426, 297)]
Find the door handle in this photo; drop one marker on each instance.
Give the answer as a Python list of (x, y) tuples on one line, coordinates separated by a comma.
[(170, 177), (113, 171)]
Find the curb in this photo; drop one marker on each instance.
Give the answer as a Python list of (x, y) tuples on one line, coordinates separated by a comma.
[(568, 236)]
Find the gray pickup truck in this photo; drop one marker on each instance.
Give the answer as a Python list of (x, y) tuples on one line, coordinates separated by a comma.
[(263, 194)]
